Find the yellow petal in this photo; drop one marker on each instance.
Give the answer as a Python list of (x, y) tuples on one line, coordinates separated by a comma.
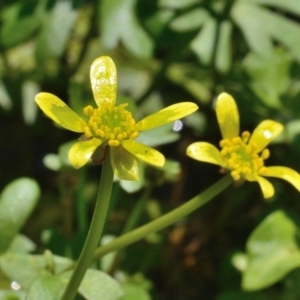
[(103, 76), (266, 187), (124, 164), (285, 173), (228, 116), (81, 152), (265, 133), (59, 112), (145, 153), (167, 115), (206, 152)]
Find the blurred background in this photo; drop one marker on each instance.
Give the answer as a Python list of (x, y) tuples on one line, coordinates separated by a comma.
[(166, 51)]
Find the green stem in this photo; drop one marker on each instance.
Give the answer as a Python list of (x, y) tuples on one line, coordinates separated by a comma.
[(131, 223), (95, 231), (137, 211), (165, 220)]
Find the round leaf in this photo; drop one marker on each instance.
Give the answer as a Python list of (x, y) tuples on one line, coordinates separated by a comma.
[(272, 250), (97, 285), (46, 287), (17, 201)]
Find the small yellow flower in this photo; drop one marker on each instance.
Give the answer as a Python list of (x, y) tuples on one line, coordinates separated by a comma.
[(243, 156), (109, 126)]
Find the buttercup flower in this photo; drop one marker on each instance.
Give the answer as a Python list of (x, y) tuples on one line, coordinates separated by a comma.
[(109, 126), (243, 156)]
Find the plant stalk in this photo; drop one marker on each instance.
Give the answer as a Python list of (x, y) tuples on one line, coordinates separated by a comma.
[(95, 231), (165, 220)]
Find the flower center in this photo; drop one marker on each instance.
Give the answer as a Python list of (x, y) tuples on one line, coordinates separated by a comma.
[(241, 158), (110, 123)]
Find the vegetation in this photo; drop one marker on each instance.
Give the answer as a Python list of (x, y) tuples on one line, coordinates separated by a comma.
[(184, 229)]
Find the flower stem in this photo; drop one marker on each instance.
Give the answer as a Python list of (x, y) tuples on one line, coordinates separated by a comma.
[(165, 220), (131, 223), (137, 211), (95, 230)]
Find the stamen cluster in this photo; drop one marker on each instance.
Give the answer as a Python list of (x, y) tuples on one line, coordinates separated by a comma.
[(241, 157), (110, 123)]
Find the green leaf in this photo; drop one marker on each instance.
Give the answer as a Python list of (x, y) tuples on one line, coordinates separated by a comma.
[(21, 244), (191, 20), (17, 201), (203, 44), (5, 100), (157, 22), (46, 287), (132, 35), (16, 28), (269, 75), (63, 153), (272, 251), (250, 20), (25, 268), (158, 136), (52, 162), (133, 291), (22, 268), (292, 130), (186, 76), (223, 57), (136, 287), (56, 30), (260, 26), (176, 4), (288, 5), (29, 107), (284, 31), (172, 170), (108, 259), (12, 295), (97, 285)]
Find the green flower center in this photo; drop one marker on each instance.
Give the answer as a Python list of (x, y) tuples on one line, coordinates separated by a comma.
[(112, 124), (241, 158)]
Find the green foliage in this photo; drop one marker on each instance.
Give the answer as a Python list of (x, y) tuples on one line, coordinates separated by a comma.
[(136, 288), (270, 76), (97, 284), (17, 201), (17, 28), (166, 51), (45, 287), (56, 28), (272, 250), (134, 37)]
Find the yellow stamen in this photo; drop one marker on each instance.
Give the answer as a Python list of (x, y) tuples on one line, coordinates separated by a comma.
[(112, 124), (241, 158), (245, 136), (265, 154)]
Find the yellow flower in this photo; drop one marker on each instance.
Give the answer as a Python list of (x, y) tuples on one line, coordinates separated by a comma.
[(109, 126), (243, 155)]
